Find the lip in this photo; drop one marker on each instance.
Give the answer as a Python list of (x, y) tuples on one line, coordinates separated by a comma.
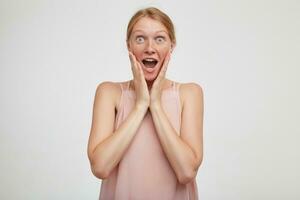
[(150, 58), (150, 70)]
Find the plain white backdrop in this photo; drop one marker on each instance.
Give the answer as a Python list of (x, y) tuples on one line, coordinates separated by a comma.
[(244, 54)]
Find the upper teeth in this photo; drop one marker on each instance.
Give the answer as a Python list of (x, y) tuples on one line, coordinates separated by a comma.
[(150, 59)]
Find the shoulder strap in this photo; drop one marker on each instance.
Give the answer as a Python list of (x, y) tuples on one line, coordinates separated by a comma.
[(173, 86), (128, 85), (177, 86), (121, 86)]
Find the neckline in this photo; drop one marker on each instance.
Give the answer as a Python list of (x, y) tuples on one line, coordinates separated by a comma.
[(133, 91), (172, 87)]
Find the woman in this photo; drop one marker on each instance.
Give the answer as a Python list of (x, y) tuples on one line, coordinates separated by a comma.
[(146, 137)]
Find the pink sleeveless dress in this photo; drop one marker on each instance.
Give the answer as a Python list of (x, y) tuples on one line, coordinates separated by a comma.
[(144, 172)]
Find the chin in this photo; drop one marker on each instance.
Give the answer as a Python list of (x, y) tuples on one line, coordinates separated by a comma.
[(150, 77)]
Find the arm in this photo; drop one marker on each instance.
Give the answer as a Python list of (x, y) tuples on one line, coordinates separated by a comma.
[(184, 152), (105, 147)]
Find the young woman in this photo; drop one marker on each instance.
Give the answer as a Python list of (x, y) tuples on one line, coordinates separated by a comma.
[(146, 139)]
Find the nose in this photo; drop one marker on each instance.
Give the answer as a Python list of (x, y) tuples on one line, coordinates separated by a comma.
[(149, 48)]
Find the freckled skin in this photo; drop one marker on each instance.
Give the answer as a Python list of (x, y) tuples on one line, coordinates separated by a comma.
[(183, 147), (149, 38)]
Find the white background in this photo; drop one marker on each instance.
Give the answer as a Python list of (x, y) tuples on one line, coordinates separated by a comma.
[(244, 54)]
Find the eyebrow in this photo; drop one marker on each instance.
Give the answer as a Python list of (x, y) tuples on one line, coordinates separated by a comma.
[(143, 31)]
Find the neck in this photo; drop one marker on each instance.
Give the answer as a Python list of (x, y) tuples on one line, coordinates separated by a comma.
[(149, 84)]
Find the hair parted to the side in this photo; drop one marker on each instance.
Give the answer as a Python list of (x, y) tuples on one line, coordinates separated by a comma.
[(153, 13)]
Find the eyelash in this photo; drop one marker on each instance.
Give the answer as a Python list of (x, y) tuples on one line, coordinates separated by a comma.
[(138, 36), (161, 37)]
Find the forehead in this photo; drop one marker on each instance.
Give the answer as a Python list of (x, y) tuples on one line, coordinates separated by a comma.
[(149, 25)]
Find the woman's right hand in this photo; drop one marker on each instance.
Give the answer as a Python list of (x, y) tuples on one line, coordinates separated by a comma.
[(140, 85)]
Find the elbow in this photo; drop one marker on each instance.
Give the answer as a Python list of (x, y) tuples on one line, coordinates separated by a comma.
[(188, 177), (98, 168), (99, 172)]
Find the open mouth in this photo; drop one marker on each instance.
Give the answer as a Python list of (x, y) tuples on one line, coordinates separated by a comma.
[(149, 62)]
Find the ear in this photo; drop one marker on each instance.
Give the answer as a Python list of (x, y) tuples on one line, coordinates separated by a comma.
[(172, 47), (128, 46)]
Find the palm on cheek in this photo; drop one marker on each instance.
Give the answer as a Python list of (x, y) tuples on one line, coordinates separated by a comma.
[(156, 90), (142, 94), (153, 97)]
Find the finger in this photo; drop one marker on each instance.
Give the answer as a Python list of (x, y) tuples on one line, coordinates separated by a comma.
[(137, 67), (163, 71), (131, 59), (140, 70), (134, 66), (136, 63), (130, 56)]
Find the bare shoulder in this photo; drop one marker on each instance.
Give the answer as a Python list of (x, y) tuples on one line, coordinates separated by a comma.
[(111, 90), (190, 91)]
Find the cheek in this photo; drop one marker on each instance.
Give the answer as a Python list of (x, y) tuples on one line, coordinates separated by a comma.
[(163, 55), (164, 51), (137, 50), (134, 47)]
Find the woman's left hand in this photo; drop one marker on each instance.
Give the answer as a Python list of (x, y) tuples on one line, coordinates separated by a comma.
[(157, 87)]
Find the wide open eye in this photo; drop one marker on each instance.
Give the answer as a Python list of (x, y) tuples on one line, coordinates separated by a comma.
[(160, 39), (139, 39)]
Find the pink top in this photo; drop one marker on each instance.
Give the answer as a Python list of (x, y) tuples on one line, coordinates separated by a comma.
[(144, 172)]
